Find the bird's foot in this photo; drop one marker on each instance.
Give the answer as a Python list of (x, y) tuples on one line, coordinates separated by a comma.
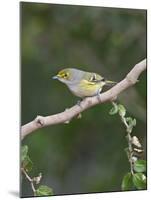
[(79, 103), (99, 96)]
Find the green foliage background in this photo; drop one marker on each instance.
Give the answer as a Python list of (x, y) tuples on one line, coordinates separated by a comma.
[(86, 155)]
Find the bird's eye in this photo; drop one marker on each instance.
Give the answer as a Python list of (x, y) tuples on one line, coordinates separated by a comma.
[(65, 75), (103, 79)]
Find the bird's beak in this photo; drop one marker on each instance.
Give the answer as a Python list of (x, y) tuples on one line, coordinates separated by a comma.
[(55, 77), (110, 83)]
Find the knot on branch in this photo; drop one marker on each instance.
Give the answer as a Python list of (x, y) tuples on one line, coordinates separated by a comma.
[(113, 98), (89, 101), (40, 122), (131, 79)]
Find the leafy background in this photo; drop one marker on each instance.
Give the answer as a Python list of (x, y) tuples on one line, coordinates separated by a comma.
[(87, 155)]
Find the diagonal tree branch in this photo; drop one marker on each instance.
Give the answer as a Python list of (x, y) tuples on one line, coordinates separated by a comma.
[(110, 95)]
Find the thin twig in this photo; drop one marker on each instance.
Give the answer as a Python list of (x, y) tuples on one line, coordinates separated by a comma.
[(67, 115), (130, 149), (30, 180)]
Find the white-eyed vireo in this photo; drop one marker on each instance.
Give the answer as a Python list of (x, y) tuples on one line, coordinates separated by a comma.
[(81, 83)]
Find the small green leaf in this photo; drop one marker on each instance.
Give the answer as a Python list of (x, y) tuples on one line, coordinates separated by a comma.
[(129, 120), (131, 123), (27, 164), (140, 166), (114, 109), (139, 180), (122, 110), (44, 190), (24, 151), (127, 182)]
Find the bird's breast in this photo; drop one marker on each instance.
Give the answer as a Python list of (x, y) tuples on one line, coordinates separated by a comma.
[(85, 89)]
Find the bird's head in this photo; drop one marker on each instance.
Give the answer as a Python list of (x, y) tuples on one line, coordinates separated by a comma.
[(68, 75)]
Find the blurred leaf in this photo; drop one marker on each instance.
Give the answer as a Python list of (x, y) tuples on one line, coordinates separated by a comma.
[(140, 166), (122, 110), (114, 109), (27, 164), (24, 151), (44, 190), (127, 182), (139, 180), (134, 122), (37, 179), (130, 121), (136, 142)]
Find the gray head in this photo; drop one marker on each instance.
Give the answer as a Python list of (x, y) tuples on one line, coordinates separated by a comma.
[(69, 75)]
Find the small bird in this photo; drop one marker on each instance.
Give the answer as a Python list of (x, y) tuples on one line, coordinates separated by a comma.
[(82, 84)]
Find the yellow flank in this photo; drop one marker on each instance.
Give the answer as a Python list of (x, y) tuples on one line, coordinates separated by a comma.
[(88, 82), (87, 88)]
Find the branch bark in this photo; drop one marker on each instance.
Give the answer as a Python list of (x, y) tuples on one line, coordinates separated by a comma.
[(110, 95)]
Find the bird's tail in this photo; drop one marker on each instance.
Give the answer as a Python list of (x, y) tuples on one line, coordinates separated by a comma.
[(110, 83)]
